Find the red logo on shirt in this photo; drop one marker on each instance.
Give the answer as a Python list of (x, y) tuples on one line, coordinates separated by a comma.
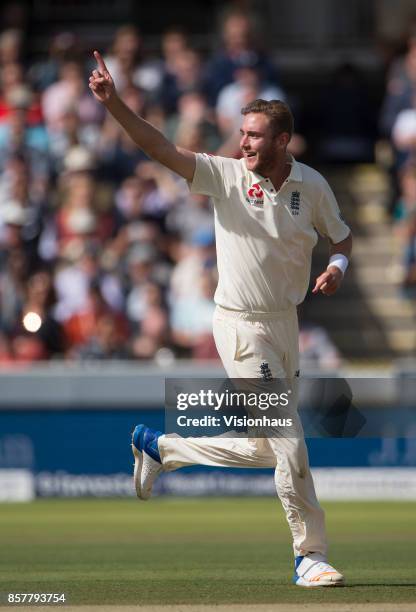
[(255, 195)]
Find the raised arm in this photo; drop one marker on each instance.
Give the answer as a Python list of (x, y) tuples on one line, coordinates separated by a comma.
[(147, 137)]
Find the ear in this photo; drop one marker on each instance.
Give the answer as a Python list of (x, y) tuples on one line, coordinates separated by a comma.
[(282, 140)]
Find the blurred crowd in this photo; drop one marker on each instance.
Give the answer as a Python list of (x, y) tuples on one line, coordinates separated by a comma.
[(398, 124), (105, 254)]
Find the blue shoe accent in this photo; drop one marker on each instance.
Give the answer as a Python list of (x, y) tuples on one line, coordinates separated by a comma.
[(146, 439), (298, 561)]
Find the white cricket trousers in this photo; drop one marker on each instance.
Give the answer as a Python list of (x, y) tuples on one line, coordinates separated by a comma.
[(245, 341)]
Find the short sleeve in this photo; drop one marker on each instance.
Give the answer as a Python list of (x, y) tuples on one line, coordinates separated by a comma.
[(209, 176), (327, 217)]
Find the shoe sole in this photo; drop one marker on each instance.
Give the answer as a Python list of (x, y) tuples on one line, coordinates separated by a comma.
[(138, 461), (322, 583)]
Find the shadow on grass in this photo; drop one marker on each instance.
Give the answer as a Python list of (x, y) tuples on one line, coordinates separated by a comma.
[(378, 584)]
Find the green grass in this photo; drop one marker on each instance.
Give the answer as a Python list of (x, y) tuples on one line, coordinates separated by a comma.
[(199, 551)]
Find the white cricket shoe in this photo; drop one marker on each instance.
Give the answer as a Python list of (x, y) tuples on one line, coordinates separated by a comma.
[(147, 462), (313, 571)]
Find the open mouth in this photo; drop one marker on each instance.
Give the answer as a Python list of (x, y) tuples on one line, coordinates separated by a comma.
[(250, 154)]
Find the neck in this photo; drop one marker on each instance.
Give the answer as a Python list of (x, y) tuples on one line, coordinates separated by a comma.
[(279, 172)]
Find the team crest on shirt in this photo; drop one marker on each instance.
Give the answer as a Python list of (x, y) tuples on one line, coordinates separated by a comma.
[(295, 203), (255, 196), (265, 372)]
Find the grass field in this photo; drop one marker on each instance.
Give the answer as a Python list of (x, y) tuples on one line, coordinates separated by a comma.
[(199, 551)]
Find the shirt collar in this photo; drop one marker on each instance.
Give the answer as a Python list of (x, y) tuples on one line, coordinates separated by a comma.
[(294, 175)]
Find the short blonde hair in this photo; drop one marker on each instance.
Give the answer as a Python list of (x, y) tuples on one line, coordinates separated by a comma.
[(281, 118)]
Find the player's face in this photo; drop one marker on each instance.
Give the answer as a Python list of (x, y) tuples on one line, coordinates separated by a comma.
[(260, 148)]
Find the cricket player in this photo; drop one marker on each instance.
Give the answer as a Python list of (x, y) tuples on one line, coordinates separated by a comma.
[(267, 210)]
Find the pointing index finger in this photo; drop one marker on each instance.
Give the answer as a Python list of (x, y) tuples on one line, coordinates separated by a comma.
[(101, 64), (320, 283)]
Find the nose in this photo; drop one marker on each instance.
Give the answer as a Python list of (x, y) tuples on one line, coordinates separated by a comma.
[(243, 141)]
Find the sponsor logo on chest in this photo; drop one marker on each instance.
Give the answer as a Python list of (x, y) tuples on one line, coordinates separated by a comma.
[(255, 196)]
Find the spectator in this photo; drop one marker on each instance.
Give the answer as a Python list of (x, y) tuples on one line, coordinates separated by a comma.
[(400, 89), (185, 75), (63, 47), (136, 235), (404, 133), (194, 115), (22, 131), (80, 329), (127, 63), (82, 215), (73, 276), (191, 319), (240, 49), (11, 47), (193, 214), (152, 334), (406, 204), (72, 133), (174, 42), (105, 343), (12, 289), (70, 90), (248, 85), (12, 219), (38, 335), (20, 212), (23, 205), (404, 215), (141, 264), (117, 154), (158, 189), (316, 348), (194, 257)]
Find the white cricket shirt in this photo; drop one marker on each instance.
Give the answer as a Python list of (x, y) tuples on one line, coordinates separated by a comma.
[(265, 238)]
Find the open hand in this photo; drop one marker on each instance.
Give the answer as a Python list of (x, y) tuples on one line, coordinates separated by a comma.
[(101, 82), (329, 281)]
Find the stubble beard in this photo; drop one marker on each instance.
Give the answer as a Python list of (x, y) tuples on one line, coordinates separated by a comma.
[(266, 163)]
